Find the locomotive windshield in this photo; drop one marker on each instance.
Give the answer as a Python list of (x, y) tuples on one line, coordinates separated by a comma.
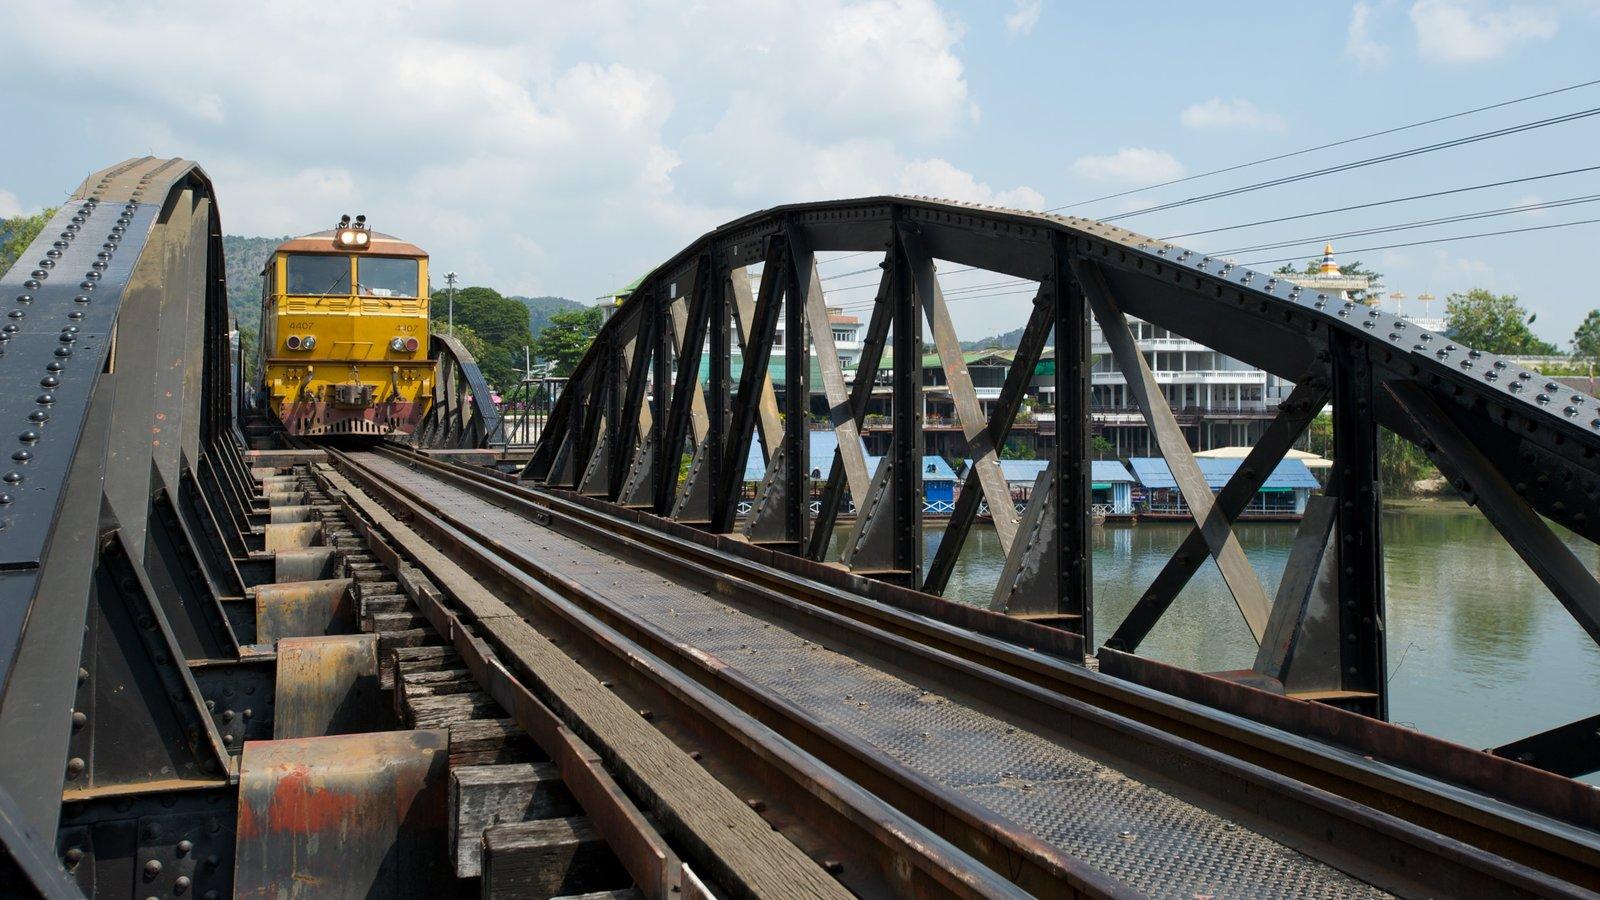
[(380, 276), (318, 274)]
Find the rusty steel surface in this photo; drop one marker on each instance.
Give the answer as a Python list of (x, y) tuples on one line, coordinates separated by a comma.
[(303, 609), (359, 815), (328, 685)]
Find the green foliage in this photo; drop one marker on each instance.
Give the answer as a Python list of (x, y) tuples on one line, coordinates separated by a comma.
[(249, 339), (1494, 323), (1566, 366), (17, 232), (1319, 436), (500, 322), (1586, 340), (470, 340), (1103, 448), (540, 309), (1401, 464), (567, 337), (244, 258), (1015, 449)]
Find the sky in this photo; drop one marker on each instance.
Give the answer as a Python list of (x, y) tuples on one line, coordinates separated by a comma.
[(565, 148)]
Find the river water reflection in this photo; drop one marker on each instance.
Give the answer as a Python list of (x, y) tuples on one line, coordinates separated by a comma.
[(1479, 651)]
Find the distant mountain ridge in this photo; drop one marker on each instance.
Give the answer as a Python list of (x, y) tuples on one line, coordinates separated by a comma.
[(540, 309), (1005, 341)]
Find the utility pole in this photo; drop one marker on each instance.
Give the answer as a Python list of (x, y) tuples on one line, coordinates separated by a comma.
[(450, 284)]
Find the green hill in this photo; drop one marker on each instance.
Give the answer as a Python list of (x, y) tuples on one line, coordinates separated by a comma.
[(245, 256), (540, 309)]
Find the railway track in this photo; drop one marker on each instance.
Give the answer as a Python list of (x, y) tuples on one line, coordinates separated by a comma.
[(889, 751)]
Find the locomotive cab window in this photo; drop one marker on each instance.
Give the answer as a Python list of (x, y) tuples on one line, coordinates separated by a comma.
[(318, 275), (380, 276)]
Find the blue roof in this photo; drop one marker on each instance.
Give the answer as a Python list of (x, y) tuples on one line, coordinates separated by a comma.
[(823, 443), (1152, 472), (1026, 471)]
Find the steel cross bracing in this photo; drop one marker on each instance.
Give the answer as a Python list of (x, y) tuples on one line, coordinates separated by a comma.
[(1530, 457)]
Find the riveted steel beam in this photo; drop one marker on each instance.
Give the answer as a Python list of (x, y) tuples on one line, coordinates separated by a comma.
[(1356, 485)]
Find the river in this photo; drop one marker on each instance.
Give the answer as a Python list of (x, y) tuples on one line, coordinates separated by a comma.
[(1479, 651)]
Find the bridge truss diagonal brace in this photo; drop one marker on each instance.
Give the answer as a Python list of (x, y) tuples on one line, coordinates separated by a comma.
[(1218, 531), (687, 416), (980, 446), (1296, 412), (764, 521), (734, 438), (861, 395), (1029, 349), (845, 424), (635, 446), (1551, 560)]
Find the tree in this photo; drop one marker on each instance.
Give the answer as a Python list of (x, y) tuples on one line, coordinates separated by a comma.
[(567, 337), (500, 322), (1586, 340), (1494, 323), (17, 232)]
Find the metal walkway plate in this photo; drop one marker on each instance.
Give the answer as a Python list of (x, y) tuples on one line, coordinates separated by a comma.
[(1154, 842)]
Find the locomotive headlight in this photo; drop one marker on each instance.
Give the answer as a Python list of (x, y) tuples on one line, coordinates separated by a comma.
[(347, 237), (398, 345), (361, 238), (307, 342)]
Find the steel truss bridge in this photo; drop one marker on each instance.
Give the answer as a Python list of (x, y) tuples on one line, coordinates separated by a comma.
[(234, 664)]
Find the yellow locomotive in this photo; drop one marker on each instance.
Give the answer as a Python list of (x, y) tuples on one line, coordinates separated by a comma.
[(344, 333)]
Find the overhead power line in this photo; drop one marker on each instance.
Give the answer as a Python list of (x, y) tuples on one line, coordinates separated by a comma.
[(1362, 163), (1420, 223), (1444, 240), (1340, 209), (1330, 145)]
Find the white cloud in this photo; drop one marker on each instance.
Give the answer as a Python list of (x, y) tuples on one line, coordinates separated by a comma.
[(9, 205), (1023, 16), (1235, 113), (537, 146), (938, 178), (1130, 165), (1360, 45), (1455, 31)]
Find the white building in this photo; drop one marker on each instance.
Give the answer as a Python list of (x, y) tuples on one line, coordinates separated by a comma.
[(1217, 400), (846, 337)]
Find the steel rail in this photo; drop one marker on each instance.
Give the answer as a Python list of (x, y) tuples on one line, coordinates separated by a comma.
[(1560, 839), (1287, 801), (822, 812)]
